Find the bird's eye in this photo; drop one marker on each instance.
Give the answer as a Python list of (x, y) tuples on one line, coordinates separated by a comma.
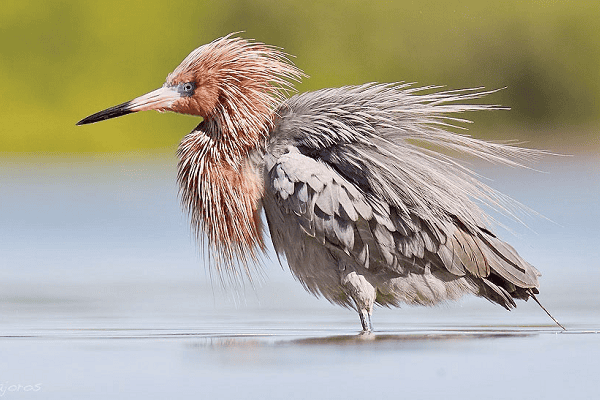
[(186, 88)]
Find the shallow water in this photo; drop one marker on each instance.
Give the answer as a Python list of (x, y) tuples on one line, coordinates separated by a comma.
[(104, 295)]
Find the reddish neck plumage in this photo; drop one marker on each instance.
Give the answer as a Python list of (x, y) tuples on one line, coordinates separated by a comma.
[(221, 190), (239, 84)]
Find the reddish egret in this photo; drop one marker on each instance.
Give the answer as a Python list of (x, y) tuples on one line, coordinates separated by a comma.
[(361, 211)]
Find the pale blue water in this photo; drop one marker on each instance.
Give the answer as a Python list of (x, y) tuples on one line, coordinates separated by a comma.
[(103, 294)]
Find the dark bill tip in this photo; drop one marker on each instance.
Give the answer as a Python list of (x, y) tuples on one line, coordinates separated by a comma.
[(113, 112)]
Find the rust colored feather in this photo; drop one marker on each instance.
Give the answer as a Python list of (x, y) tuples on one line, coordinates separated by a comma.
[(240, 83)]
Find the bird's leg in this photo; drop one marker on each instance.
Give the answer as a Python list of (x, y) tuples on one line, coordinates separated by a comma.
[(365, 320), (362, 292)]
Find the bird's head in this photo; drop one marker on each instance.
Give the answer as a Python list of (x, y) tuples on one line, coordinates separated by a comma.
[(225, 78)]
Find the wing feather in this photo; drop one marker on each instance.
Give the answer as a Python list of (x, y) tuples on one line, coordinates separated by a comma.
[(342, 162)]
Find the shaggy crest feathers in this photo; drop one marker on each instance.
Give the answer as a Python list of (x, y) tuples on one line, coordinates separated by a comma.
[(245, 81)]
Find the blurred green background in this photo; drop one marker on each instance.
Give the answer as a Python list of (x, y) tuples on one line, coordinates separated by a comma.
[(63, 60)]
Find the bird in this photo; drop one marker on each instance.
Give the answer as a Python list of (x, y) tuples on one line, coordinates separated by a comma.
[(356, 184)]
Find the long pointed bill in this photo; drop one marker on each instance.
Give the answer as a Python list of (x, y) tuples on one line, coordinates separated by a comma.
[(159, 99)]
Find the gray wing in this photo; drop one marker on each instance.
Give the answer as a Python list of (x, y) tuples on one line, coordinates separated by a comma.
[(385, 239), (340, 166)]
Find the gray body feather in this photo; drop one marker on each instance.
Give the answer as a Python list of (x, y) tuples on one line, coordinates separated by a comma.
[(364, 214)]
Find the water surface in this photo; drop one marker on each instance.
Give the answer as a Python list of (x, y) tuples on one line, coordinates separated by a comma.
[(103, 294)]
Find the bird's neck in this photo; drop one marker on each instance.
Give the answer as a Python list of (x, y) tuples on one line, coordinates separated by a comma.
[(221, 189), (233, 137)]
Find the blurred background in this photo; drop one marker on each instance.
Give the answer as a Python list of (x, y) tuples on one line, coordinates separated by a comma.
[(62, 60), (93, 243)]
